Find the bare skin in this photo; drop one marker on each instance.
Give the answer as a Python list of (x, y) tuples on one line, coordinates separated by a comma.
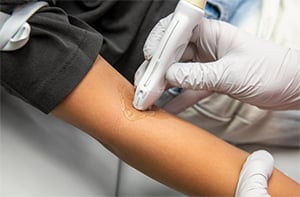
[(162, 146)]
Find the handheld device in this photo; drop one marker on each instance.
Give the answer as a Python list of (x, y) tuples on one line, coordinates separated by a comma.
[(186, 17)]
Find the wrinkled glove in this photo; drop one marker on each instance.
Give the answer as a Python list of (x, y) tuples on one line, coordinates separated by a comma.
[(224, 59), (254, 176)]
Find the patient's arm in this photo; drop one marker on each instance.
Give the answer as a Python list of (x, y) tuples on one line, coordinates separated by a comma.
[(158, 144)]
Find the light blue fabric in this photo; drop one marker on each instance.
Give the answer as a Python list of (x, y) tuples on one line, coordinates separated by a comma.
[(246, 9), (222, 9), (232, 11)]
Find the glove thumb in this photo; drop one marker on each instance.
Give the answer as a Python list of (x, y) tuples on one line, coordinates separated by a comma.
[(254, 176), (196, 76), (155, 36)]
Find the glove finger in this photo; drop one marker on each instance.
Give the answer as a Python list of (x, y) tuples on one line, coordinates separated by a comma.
[(255, 174), (196, 76), (155, 36), (140, 72)]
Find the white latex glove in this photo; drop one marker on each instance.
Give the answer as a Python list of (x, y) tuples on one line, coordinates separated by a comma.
[(222, 58), (254, 176)]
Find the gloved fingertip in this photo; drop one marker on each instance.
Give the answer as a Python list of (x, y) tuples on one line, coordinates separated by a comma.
[(147, 53), (175, 75), (193, 75), (262, 161), (262, 155)]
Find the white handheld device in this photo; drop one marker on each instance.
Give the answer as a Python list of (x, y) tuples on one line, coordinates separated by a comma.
[(187, 15)]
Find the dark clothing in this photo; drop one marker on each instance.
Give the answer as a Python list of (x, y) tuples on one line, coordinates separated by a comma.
[(66, 39)]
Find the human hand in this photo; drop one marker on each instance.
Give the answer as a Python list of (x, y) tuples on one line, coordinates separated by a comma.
[(224, 59), (254, 176)]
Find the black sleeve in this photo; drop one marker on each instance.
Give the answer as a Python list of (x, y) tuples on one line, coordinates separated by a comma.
[(60, 52)]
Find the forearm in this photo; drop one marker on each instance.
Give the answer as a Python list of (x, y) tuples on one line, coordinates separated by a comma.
[(162, 146)]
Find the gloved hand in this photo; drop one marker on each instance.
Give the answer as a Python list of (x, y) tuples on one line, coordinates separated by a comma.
[(224, 59), (254, 176)]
